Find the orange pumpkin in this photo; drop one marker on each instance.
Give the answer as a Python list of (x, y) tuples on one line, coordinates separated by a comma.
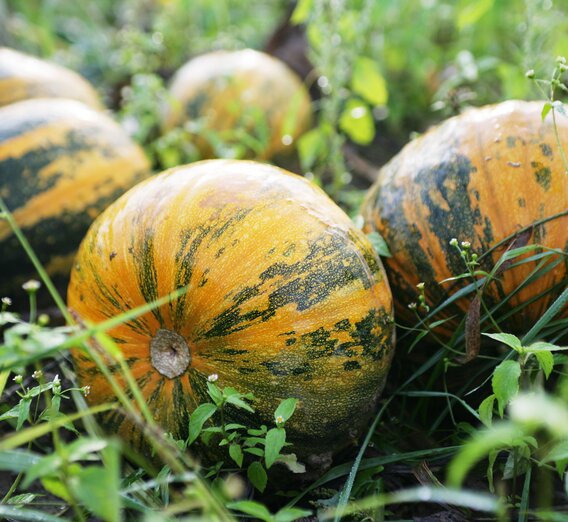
[(479, 177), (23, 77), (285, 298), (246, 98)]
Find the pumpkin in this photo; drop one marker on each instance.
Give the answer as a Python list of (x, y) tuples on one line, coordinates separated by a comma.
[(240, 96), (285, 298), (23, 77), (480, 177), (61, 163)]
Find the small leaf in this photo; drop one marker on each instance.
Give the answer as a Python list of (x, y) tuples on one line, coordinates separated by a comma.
[(546, 108), (505, 382), (379, 244), (252, 508), (99, 490), (512, 341), (233, 426), (291, 462), (236, 453), (301, 12), (311, 147), (290, 514), (275, 440), (546, 362), (239, 403), (357, 122), (23, 412), (257, 476), (368, 82), (558, 452), (215, 393), (259, 452), (486, 410), (198, 419), (285, 409)]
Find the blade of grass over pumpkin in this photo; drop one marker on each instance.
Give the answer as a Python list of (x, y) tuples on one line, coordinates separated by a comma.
[(467, 499), (35, 261), (34, 432), (346, 491), (441, 394), (553, 309)]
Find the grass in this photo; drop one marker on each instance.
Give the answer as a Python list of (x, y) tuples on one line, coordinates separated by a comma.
[(481, 440)]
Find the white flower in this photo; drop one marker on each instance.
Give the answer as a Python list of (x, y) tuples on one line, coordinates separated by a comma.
[(213, 377), (18, 379), (56, 379), (279, 419), (86, 390), (37, 374), (31, 286), (465, 244), (6, 301)]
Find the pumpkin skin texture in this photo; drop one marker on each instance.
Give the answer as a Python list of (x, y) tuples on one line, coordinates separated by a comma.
[(243, 89), (61, 163), (23, 77), (286, 298), (478, 177)]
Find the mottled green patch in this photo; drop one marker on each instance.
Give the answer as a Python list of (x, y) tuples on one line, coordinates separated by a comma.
[(351, 365), (542, 174), (194, 107), (522, 202), (147, 275), (546, 150)]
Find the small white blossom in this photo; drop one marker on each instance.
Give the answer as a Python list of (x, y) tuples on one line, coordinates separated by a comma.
[(465, 244), (56, 379), (86, 390), (6, 301), (453, 242), (31, 286), (279, 419), (37, 374), (412, 306), (420, 286), (213, 377), (18, 379)]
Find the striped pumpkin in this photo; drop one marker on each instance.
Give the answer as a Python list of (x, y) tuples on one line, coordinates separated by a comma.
[(238, 96), (285, 299), (61, 163), (23, 77), (479, 177)]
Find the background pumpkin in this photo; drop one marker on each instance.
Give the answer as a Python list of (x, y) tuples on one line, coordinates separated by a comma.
[(61, 163), (23, 77), (478, 177), (286, 298), (246, 90)]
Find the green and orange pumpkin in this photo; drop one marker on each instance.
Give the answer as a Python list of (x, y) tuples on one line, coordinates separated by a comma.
[(23, 77), (285, 298), (241, 97), (480, 177), (61, 163)]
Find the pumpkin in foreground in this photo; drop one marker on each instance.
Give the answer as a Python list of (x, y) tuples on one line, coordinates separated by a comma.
[(23, 77), (285, 298), (61, 163), (479, 177), (247, 98)]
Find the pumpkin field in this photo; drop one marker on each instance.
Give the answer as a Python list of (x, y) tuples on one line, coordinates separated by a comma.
[(284, 260)]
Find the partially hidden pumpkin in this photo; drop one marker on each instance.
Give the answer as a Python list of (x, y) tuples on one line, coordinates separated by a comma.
[(23, 77), (479, 177), (241, 97), (285, 298), (61, 163)]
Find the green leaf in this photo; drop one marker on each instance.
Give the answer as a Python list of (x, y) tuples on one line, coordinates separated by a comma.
[(537, 411), (558, 452), (472, 12), (546, 362), (234, 426), (236, 453), (235, 400), (285, 409), (257, 476), (357, 122), (486, 410), (275, 440), (198, 419), (368, 82), (379, 244), (291, 462), (301, 12), (505, 382), (17, 460), (311, 147), (259, 452), (17, 513), (290, 514), (24, 498), (252, 508), (98, 489), (215, 393), (509, 339), (546, 108), (23, 412)]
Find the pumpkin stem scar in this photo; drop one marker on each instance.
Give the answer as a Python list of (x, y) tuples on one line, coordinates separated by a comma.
[(170, 353)]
